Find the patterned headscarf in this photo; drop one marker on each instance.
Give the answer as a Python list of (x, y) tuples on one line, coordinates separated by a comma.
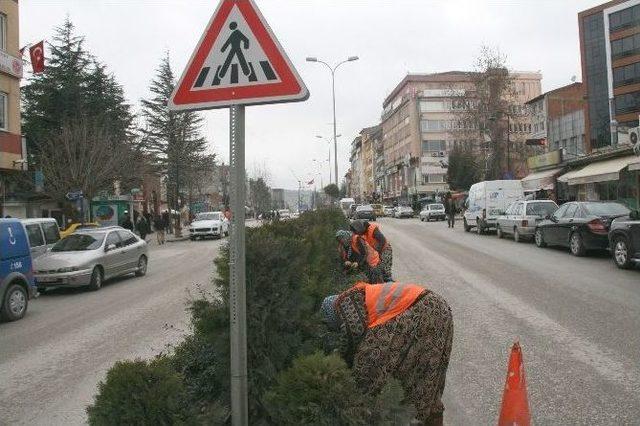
[(359, 226), (330, 313), (343, 237)]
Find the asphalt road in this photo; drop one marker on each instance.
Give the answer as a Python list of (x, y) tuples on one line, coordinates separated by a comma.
[(51, 361), (577, 319)]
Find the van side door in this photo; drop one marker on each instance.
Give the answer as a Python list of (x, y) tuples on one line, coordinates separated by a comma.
[(36, 239)]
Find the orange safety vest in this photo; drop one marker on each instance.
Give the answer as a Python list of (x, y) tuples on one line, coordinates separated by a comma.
[(386, 301), (372, 256), (370, 239)]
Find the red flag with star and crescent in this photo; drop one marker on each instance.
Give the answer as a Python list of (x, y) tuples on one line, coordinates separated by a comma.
[(37, 57)]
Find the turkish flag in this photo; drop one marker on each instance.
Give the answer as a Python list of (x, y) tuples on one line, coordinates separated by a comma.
[(310, 182), (37, 57)]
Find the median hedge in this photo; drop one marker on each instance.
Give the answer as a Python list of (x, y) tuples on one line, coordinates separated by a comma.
[(291, 266)]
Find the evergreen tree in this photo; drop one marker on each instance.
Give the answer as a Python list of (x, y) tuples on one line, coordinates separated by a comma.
[(172, 138), (462, 171)]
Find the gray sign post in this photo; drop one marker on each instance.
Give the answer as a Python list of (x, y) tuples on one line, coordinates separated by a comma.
[(237, 265)]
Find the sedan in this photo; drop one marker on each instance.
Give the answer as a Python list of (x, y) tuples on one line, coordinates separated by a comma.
[(432, 211), (581, 226), (388, 211), (364, 212), (90, 256), (520, 218), (210, 224), (624, 240), (403, 211)]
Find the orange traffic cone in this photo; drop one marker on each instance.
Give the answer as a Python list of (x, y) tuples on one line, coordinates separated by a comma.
[(515, 405)]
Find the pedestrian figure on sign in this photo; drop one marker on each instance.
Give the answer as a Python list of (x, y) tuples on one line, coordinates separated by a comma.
[(395, 330), (236, 41)]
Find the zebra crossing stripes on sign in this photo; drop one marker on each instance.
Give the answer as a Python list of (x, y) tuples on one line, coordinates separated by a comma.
[(237, 62)]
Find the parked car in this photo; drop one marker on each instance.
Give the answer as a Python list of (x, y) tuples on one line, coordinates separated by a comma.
[(581, 226), (521, 218), (365, 212), (210, 224), (388, 211), (345, 205), (43, 233), (624, 240), (378, 209), (487, 200), (433, 211), (17, 284), (403, 211), (284, 214), (73, 227), (91, 256), (352, 210)]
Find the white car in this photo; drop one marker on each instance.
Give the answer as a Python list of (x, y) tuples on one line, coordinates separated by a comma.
[(403, 211), (284, 214), (209, 224), (432, 211)]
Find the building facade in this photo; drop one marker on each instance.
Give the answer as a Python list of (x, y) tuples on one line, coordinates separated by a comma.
[(421, 125), (357, 181)]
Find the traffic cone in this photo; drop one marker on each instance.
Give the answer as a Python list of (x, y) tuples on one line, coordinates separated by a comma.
[(515, 405)]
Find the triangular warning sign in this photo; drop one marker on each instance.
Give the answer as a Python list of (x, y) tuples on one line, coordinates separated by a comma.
[(238, 61)]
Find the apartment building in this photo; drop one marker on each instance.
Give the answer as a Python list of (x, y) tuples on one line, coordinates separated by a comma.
[(421, 123), (356, 175)]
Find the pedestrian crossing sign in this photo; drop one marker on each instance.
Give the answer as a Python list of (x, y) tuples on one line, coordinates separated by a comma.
[(238, 61)]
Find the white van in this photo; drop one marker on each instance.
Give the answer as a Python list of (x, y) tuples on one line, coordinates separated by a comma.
[(345, 205), (43, 233), (489, 199)]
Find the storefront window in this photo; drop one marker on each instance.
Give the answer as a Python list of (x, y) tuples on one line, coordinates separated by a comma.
[(624, 191)]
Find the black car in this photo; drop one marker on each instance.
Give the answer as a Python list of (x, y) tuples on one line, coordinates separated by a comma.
[(581, 226), (624, 240), (365, 212)]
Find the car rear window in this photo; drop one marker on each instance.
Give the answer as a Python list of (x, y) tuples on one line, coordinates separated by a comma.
[(436, 207), (79, 242), (606, 209), (51, 232), (34, 235), (541, 209)]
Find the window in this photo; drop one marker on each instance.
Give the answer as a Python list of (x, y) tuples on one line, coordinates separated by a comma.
[(35, 235), (51, 232), (433, 125), (433, 178), (624, 18), (625, 46), (628, 102), (626, 75), (560, 212), (517, 210), (4, 123), (426, 106), (113, 238), (434, 146), (3, 31), (571, 210), (127, 238)]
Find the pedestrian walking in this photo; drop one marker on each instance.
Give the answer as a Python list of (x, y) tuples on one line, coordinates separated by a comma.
[(141, 227), (159, 226), (166, 217), (450, 210), (395, 330), (372, 234), (126, 222), (357, 253)]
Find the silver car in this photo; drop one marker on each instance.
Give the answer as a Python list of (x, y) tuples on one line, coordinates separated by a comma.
[(90, 256), (403, 211), (432, 211), (520, 218)]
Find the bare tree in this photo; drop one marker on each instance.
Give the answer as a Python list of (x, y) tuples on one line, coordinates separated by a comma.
[(83, 155)]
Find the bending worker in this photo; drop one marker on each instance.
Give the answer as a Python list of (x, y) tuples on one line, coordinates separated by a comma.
[(399, 330), (356, 253), (372, 234)]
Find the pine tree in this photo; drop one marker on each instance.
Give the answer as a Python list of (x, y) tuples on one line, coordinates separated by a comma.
[(172, 138)]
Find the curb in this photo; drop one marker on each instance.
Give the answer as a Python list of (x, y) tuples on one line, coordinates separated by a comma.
[(175, 240)]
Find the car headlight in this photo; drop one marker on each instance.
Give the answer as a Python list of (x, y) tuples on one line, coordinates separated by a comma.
[(68, 269)]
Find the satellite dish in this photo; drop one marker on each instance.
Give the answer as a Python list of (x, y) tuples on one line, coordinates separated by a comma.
[(574, 78)]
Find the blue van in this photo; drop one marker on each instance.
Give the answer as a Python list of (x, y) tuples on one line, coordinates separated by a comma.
[(17, 283)]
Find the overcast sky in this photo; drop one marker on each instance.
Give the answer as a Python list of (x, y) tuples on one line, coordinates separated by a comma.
[(391, 38)]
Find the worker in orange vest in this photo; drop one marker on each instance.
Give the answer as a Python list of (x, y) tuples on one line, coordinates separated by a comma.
[(395, 330), (372, 234), (356, 253)]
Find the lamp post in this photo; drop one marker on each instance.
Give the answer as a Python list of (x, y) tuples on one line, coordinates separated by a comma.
[(328, 158), (333, 93)]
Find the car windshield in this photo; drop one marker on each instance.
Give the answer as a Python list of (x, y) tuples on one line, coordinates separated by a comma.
[(541, 209), (79, 242), (436, 207), (606, 209), (364, 208), (208, 216)]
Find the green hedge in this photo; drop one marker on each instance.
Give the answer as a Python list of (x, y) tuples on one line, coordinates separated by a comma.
[(291, 266)]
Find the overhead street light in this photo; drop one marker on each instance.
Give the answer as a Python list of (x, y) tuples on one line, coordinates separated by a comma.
[(333, 93)]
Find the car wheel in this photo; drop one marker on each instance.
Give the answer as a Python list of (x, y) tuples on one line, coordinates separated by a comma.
[(479, 228), (499, 232), (421, 219), (192, 238), (467, 228), (42, 290), (539, 239), (576, 245), (621, 253), (142, 266), (516, 235), (15, 303), (96, 279)]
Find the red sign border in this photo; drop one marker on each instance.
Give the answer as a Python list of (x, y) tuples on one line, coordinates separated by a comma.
[(290, 88)]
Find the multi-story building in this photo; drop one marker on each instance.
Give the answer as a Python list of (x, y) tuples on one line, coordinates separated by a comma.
[(368, 138), (420, 123), (277, 198), (12, 147), (357, 181)]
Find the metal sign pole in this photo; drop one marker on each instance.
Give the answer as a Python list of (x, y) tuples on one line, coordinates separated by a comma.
[(237, 284)]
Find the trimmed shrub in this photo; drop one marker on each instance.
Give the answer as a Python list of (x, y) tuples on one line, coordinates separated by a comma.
[(140, 393)]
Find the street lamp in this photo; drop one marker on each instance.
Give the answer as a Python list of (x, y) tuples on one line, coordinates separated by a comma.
[(333, 93), (329, 158)]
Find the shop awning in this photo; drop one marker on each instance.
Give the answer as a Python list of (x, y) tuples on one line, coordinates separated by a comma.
[(540, 180), (602, 171)]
